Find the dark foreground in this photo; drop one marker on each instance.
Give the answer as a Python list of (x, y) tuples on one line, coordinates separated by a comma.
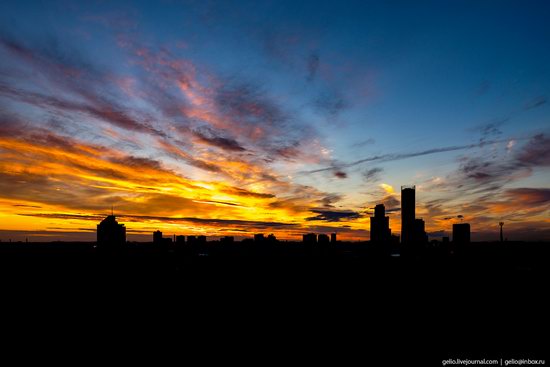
[(286, 304)]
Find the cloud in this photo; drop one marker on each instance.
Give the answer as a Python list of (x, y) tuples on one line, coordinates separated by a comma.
[(210, 137), (247, 193), (312, 66), (333, 215), (330, 103), (529, 197), (535, 102), (491, 129), (372, 174), (362, 143), (340, 174), (329, 200), (536, 152), (400, 156)]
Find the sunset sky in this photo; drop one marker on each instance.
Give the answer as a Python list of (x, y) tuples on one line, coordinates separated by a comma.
[(286, 117)]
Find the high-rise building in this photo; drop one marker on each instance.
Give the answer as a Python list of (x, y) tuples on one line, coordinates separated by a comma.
[(420, 235), (407, 213), (157, 237), (333, 238), (110, 233), (461, 233), (380, 225)]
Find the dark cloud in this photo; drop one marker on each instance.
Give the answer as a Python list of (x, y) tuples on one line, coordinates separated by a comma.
[(333, 215), (482, 173), (529, 197), (362, 143), (372, 174), (247, 193), (99, 109), (340, 174), (210, 137), (399, 156), (535, 102), (491, 129), (247, 103), (330, 103), (536, 152), (312, 66), (138, 162), (329, 200)]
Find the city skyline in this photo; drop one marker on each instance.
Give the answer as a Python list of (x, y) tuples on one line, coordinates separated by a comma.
[(237, 118)]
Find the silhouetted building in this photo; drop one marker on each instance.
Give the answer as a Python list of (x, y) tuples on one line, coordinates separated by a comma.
[(159, 240), (191, 240), (407, 214), (310, 238), (333, 238), (201, 240), (380, 225), (445, 239), (323, 239), (420, 235), (461, 233), (227, 239), (180, 239), (259, 238), (110, 233), (157, 237)]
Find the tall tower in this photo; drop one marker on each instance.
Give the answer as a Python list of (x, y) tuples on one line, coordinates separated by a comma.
[(501, 236), (110, 233), (407, 213), (380, 225)]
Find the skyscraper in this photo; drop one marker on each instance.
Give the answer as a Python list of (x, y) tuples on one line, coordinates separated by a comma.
[(110, 233), (380, 225), (157, 237), (420, 235), (407, 213)]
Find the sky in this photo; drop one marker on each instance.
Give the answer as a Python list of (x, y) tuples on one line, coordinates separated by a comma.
[(234, 118)]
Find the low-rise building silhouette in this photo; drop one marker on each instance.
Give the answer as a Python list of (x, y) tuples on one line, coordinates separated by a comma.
[(323, 239), (461, 233), (159, 240), (227, 239), (310, 238)]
